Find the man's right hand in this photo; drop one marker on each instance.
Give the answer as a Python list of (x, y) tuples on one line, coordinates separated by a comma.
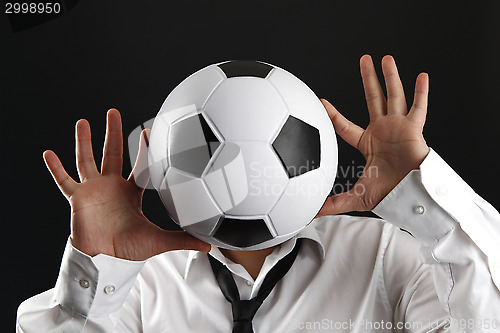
[(106, 209)]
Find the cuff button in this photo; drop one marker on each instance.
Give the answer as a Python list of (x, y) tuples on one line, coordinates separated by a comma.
[(109, 289), (84, 283), (419, 210)]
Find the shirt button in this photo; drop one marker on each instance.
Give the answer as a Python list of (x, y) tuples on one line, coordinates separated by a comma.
[(441, 190), (419, 210), (109, 289), (249, 283), (84, 284)]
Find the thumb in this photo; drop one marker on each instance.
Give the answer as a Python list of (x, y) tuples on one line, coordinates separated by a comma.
[(140, 171), (349, 201), (180, 240)]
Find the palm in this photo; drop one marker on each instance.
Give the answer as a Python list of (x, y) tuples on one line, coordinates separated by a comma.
[(112, 205), (392, 144), (106, 212)]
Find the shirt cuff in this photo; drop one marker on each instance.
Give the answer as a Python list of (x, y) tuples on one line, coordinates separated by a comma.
[(410, 207), (477, 218), (97, 285), (431, 201)]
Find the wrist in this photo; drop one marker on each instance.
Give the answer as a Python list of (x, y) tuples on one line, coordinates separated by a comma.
[(88, 247)]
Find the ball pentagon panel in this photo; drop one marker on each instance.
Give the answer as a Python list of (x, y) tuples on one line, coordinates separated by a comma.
[(192, 144), (303, 104), (242, 233), (298, 147), (239, 241), (245, 68)]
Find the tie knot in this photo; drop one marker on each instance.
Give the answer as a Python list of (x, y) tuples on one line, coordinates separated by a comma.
[(245, 310)]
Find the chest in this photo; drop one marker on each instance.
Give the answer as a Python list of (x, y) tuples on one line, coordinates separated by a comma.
[(311, 297)]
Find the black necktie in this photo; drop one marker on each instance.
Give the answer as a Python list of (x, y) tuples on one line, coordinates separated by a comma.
[(244, 310)]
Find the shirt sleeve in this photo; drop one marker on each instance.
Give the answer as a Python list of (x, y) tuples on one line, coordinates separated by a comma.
[(88, 295), (459, 233)]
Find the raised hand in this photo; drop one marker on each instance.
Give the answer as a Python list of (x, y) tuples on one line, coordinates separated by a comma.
[(392, 144), (106, 209)]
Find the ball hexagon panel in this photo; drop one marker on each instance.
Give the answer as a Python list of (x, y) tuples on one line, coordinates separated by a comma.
[(187, 98), (226, 177), (187, 191), (303, 104), (206, 227), (298, 147), (195, 89), (301, 201), (167, 199), (245, 68), (242, 232), (157, 151), (239, 106), (192, 143), (247, 179)]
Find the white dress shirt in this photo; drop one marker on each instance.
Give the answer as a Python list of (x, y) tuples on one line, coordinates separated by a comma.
[(352, 274)]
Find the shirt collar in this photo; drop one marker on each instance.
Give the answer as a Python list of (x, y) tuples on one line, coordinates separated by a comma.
[(309, 232)]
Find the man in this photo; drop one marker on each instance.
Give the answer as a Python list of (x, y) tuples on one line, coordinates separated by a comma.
[(120, 273)]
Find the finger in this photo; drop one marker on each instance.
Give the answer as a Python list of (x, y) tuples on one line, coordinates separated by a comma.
[(181, 240), (418, 110), (349, 131), (345, 202), (112, 158), (374, 95), (84, 156), (65, 183), (140, 171), (396, 102)]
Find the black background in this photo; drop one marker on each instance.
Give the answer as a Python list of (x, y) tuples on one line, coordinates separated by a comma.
[(130, 55)]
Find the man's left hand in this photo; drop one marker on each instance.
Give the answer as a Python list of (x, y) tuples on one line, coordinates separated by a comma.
[(392, 144)]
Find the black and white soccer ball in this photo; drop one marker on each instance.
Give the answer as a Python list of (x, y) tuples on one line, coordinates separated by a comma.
[(243, 155)]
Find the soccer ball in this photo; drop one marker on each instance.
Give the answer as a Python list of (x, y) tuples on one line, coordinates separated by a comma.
[(243, 155)]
